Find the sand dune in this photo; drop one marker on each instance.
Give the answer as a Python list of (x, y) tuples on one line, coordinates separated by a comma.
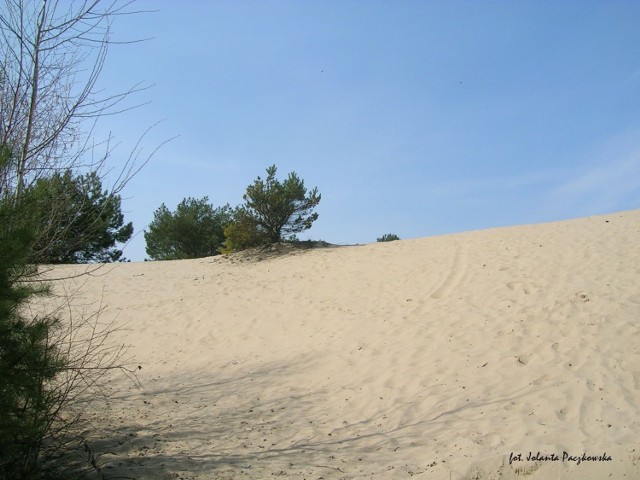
[(444, 357)]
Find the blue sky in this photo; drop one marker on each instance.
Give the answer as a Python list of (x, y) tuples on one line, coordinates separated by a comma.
[(411, 117)]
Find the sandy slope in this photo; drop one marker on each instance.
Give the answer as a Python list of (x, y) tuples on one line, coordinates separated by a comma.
[(441, 357)]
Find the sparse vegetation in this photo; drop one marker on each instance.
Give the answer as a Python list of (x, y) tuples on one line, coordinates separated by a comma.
[(273, 212), (388, 237)]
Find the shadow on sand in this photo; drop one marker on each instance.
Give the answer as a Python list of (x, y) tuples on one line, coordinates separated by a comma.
[(239, 425)]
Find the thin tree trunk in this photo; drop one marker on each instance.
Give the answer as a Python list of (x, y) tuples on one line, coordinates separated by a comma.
[(22, 161)]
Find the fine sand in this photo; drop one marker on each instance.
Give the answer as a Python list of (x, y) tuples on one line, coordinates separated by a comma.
[(443, 357)]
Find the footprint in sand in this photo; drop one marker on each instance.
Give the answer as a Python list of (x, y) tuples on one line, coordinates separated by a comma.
[(540, 380), (510, 406)]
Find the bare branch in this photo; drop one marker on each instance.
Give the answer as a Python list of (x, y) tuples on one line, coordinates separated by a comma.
[(46, 95)]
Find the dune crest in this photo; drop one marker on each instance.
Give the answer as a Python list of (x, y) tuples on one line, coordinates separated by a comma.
[(446, 356)]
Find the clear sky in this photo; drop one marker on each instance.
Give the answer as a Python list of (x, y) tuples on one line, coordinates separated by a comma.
[(411, 117)]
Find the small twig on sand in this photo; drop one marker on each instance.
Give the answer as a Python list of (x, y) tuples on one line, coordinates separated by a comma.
[(327, 466)]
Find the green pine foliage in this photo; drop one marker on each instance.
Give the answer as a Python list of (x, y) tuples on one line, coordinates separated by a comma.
[(194, 230), (76, 220), (28, 359), (273, 211)]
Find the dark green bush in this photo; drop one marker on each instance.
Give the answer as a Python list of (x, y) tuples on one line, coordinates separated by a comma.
[(76, 220), (388, 237), (194, 230)]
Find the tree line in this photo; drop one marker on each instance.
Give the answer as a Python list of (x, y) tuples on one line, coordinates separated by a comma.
[(77, 221), (273, 211)]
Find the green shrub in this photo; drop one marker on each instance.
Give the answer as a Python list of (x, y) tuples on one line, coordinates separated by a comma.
[(241, 233)]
